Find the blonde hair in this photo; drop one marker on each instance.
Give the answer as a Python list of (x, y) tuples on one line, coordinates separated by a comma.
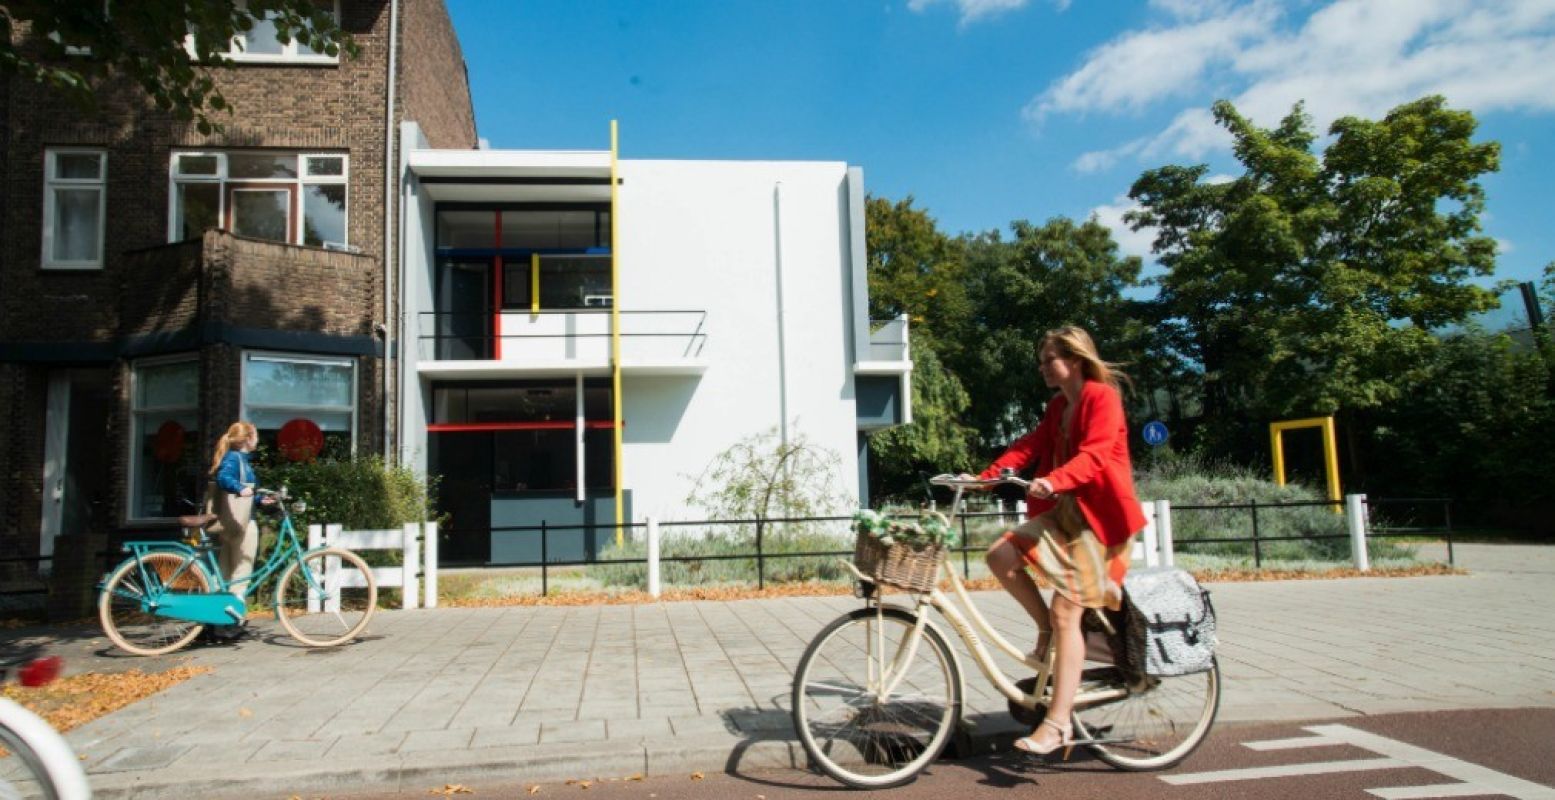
[(1072, 342), (237, 433)]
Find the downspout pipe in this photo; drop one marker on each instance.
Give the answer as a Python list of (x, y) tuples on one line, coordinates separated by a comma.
[(391, 166)]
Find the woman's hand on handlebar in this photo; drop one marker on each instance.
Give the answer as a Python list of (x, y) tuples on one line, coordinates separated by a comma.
[(1040, 488)]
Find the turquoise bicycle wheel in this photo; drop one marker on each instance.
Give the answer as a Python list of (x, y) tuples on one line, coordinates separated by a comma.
[(121, 606), (326, 597)]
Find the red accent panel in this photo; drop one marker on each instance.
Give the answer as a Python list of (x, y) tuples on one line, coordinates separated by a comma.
[(465, 427)]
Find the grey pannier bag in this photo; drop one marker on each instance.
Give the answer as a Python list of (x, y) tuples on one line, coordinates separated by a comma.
[(1170, 623)]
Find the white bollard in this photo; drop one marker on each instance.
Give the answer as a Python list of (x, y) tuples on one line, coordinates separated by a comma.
[(1163, 531), (315, 541), (1355, 515), (653, 557), (429, 554), (1148, 535), (332, 571), (410, 566)]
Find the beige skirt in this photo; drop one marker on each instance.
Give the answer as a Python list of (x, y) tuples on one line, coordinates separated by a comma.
[(1073, 562)]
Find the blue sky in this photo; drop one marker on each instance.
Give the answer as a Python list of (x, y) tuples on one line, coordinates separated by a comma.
[(988, 111)]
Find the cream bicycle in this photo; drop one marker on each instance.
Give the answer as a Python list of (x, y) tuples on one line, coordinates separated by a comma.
[(879, 692)]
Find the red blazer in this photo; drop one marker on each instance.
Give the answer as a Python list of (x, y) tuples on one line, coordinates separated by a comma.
[(1099, 475)]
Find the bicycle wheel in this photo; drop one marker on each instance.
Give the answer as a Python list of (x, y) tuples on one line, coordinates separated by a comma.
[(41, 763), (326, 597), (120, 603), (851, 732), (1157, 725)]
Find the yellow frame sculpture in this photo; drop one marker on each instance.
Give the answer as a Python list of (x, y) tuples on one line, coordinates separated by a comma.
[(1330, 450)]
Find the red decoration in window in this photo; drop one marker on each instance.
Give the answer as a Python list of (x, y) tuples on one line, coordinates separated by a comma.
[(301, 440), (168, 446)]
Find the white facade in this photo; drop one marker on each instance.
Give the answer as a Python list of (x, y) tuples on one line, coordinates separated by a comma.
[(741, 292)]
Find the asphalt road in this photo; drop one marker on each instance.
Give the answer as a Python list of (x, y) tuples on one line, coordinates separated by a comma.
[(1494, 753)]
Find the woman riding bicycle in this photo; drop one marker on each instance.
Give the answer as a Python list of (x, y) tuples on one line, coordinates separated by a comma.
[(1083, 515)]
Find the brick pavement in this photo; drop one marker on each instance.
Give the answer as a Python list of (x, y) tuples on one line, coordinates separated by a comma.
[(548, 693)]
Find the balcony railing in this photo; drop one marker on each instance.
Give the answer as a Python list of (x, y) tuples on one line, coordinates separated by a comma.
[(578, 337), (887, 340)]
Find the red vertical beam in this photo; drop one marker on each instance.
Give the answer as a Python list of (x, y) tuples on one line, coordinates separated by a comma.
[(496, 314)]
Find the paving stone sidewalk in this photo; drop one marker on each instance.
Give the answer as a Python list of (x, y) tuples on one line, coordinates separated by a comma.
[(546, 693)]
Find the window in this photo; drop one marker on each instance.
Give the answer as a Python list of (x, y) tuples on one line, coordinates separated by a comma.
[(309, 394), (298, 198), (526, 433), (259, 45), (166, 465), (74, 205), (570, 242)]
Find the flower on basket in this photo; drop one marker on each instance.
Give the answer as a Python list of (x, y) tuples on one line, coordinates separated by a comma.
[(929, 529)]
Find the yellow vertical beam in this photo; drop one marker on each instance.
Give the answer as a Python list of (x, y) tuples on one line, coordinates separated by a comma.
[(1331, 458), (534, 283), (615, 330), (1277, 444)]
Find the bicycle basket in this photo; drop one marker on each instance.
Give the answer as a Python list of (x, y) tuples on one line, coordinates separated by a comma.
[(899, 565)]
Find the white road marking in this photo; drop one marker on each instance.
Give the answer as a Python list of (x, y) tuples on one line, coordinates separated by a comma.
[(1475, 779), (1286, 771)]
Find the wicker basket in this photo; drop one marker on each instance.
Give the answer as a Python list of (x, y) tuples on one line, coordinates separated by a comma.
[(898, 565)]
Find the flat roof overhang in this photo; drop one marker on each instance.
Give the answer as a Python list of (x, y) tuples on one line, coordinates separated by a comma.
[(513, 176)]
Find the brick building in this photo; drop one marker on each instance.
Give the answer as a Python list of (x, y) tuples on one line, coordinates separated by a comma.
[(157, 284)]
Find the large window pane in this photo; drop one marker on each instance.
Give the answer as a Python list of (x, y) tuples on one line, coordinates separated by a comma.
[(574, 282), (516, 283), (466, 229), (77, 220), (262, 213), (198, 165), (260, 40), (323, 214), (261, 165), (199, 209), (534, 461), (274, 382), (167, 385), (549, 230), (78, 166)]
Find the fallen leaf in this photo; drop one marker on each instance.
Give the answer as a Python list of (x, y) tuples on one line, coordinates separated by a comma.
[(535, 789), (696, 776), (636, 776), (451, 789), (584, 784)]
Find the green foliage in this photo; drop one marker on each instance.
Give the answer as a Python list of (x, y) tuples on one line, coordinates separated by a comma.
[(1050, 275), (1308, 285), (732, 552), (144, 41), (363, 493), (935, 441), (916, 270), (761, 477), (924, 529)]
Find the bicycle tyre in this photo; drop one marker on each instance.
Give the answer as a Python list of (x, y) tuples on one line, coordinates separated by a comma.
[(874, 744), (1157, 725), (302, 581), (139, 632)]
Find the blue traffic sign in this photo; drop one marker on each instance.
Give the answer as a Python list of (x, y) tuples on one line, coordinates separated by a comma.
[(1154, 433)]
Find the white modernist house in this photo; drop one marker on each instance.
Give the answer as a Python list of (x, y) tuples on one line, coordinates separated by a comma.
[(548, 295)]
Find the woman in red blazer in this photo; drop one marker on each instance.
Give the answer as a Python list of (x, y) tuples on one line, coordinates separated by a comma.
[(1083, 514)]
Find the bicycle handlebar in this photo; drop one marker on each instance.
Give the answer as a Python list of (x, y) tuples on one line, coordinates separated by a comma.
[(958, 482)]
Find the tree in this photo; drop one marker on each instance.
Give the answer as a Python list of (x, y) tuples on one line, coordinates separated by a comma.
[(1310, 284), (166, 47), (935, 441), (1050, 275), (916, 270), (762, 477)]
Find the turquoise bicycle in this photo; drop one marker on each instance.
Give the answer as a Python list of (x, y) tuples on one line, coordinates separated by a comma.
[(165, 593)]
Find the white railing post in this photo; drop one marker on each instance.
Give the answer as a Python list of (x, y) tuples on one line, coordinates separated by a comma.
[(1163, 531), (1148, 535), (332, 576), (429, 553), (315, 541), (410, 564), (653, 557), (1355, 515)]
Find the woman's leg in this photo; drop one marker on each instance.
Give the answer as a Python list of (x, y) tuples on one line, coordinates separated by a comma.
[(1007, 564), (1066, 671)]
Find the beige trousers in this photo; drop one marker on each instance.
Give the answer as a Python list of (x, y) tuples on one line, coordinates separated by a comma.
[(239, 536)]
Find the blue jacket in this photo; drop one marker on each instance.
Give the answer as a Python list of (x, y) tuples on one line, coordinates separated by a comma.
[(234, 472)]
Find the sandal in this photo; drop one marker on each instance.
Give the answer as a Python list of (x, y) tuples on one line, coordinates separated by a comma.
[(1044, 641), (1029, 744)]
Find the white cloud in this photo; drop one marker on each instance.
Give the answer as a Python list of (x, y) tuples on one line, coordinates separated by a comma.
[(974, 10), (1504, 246), (1359, 57), (1130, 242)]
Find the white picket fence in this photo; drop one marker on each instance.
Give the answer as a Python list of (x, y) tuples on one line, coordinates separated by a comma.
[(417, 543)]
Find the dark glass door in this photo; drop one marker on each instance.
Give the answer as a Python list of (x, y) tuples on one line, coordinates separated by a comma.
[(464, 309), (463, 459)]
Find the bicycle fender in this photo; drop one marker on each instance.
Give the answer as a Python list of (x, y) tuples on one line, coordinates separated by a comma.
[(58, 761)]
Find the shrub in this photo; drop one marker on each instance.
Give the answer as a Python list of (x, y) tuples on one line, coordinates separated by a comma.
[(359, 493)]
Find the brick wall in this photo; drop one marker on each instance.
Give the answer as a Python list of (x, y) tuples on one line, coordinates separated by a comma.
[(434, 91)]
